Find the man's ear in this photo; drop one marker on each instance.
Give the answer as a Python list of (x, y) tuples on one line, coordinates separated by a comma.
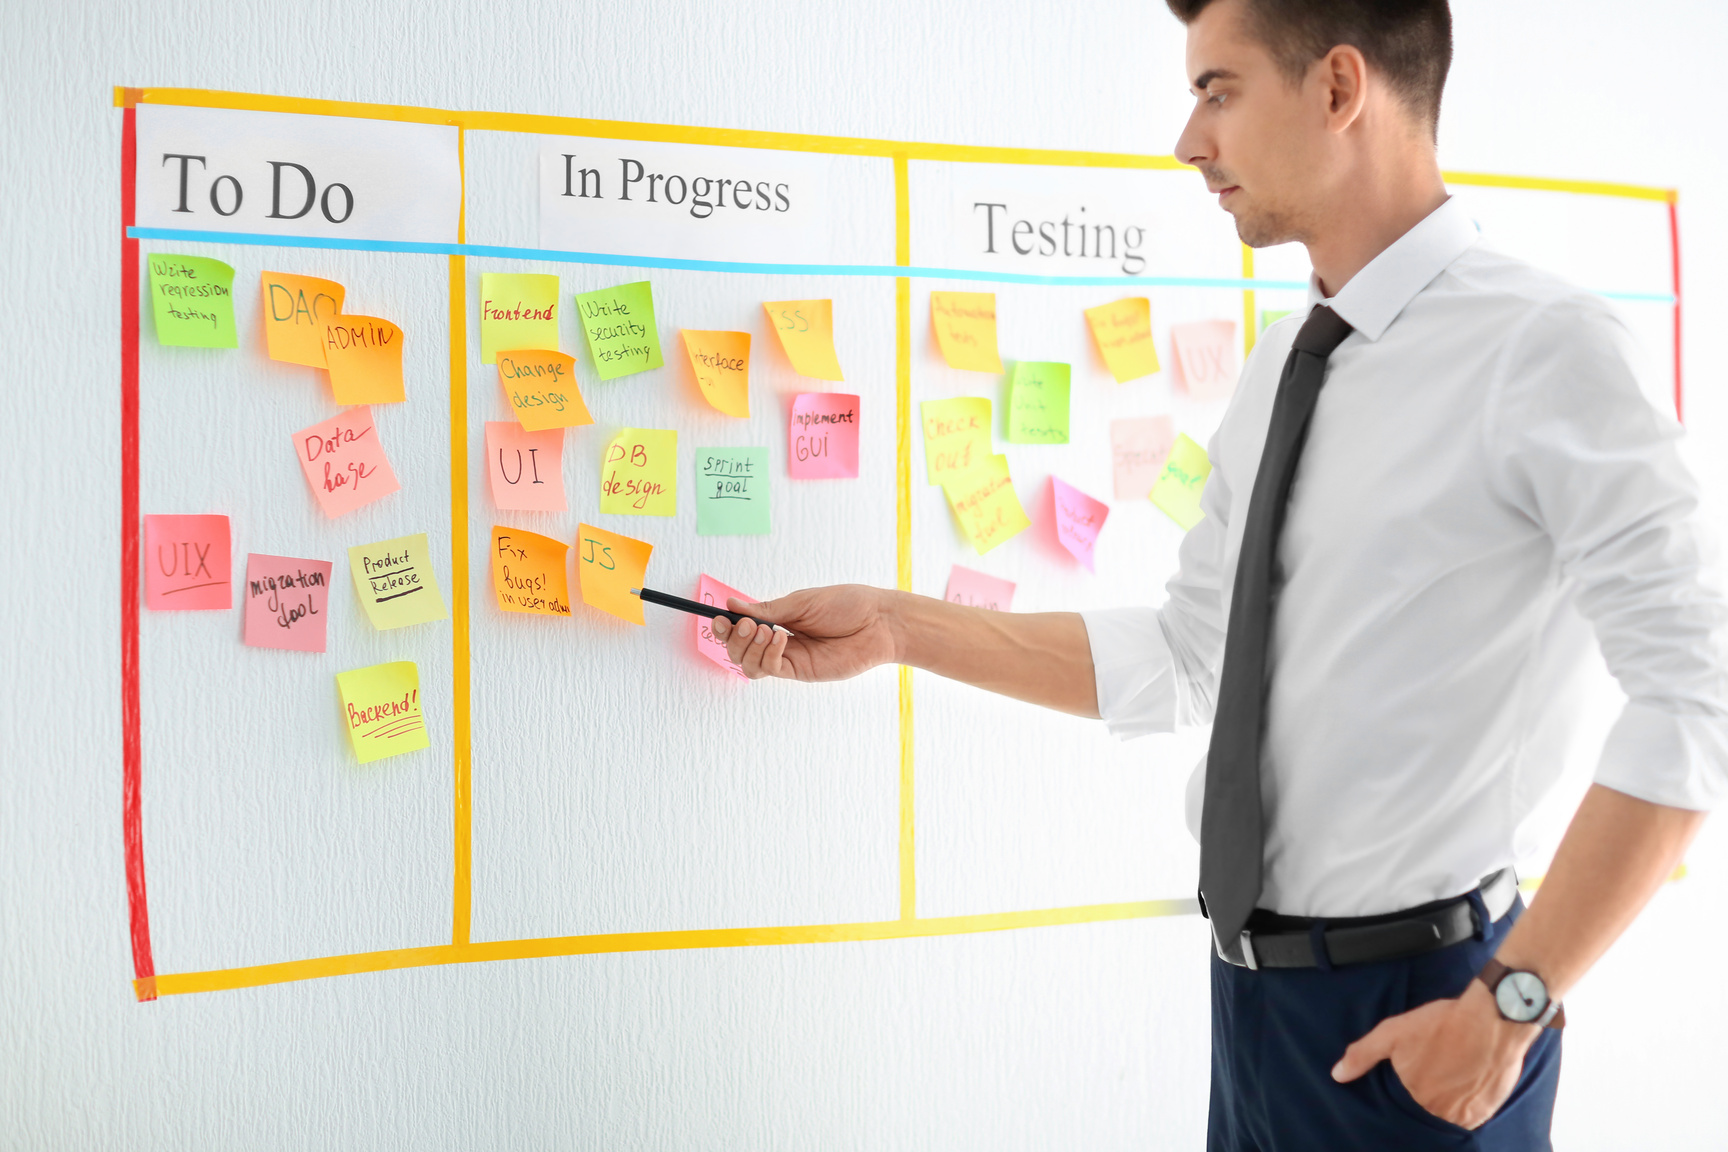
[(1343, 77)]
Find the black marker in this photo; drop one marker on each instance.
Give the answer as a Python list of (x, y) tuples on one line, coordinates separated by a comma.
[(707, 611)]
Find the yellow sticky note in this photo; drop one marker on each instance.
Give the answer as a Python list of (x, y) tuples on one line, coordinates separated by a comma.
[(608, 566), (517, 310), (985, 504), (1179, 485), (721, 361), (639, 473), (956, 436), (1123, 331), (381, 710), (296, 309), (540, 387), (806, 330), (364, 354), (394, 581), (965, 324), (528, 572)]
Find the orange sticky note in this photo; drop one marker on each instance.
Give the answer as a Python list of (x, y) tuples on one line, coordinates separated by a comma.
[(344, 462), (1123, 331), (721, 361), (295, 309), (364, 354), (540, 387), (608, 566), (965, 324), (187, 563), (526, 468), (806, 330), (528, 572), (1205, 355), (986, 505)]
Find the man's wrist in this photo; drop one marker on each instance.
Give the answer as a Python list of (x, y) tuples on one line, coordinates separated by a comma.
[(891, 605), (1509, 1035)]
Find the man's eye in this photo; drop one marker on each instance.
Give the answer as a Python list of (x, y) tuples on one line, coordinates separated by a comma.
[(1217, 98)]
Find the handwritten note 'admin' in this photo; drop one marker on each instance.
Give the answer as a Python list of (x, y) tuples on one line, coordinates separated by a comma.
[(540, 388), (711, 591), (526, 468), (1138, 448), (187, 564), (296, 309), (394, 581), (608, 566), (806, 331), (956, 436), (979, 590), (1038, 403), (344, 462), (732, 491), (1079, 519), (528, 572), (287, 602), (985, 504), (1123, 332), (1182, 481), (381, 710), (1205, 355), (192, 299), (639, 473), (965, 324), (517, 310), (364, 355), (721, 361), (823, 436), (618, 324)]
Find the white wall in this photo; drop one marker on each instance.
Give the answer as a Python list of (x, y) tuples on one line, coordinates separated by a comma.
[(1088, 1036)]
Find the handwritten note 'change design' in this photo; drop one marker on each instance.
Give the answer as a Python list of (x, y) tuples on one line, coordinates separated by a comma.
[(979, 590), (395, 583), (711, 591), (528, 572), (823, 436), (985, 504), (1138, 448), (1079, 519), (296, 309), (618, 324), (517, 310), (344, 462), (187, 564), (806, 331), (381, 710), (192, 299), (540, 388), (956, 436), (364, 355), (965, 324), (287, 602), (1038, 403), (732, 491), (721, 361), (1205, 355), (1123, 332), (526, 468), (1182, 481), (639, 473), (608, 566)]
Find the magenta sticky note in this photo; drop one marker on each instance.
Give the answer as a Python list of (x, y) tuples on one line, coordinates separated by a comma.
[(1079, 519), (526, 468), (979, 589), (344, 462), (187, 563), (1205, 360), (711, 591), (285, 600), (823, 437)]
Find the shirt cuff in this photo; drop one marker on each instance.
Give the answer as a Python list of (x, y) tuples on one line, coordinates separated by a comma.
[(1677, 760), (1133, 671)]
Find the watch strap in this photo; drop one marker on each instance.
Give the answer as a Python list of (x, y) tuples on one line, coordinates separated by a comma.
[(1554, 1016)]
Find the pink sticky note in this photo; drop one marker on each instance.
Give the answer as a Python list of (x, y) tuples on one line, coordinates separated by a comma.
[(1079, 519), (1139, 445), (285, 601), (978, 589), (527, 468), (711, 591), (823, 437), (187, 563), (1205, 360), (344, 462)]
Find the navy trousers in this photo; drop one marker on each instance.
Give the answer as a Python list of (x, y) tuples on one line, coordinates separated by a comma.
[(1277, 1032)]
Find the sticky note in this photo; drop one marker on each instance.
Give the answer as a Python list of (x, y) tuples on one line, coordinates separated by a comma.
[(526, 468), (956, 436), (732, 491), (608, 566), (639, 473), (187, 563), (364, 355), (395, 582), (711, 591), (806, 331), (823, 436), (517, 310), (381, 710), (1079, 519), (344, 462), (295, 310), (1138, 447), (528, 572), (1038, 403), (540, 387), (978, 590), (985, 504), (618, 324), (1271, 316), (721, 361), (1123, 333), (286, 602), (192, 298), (1205, 355), (1182, 480), (965, 324)]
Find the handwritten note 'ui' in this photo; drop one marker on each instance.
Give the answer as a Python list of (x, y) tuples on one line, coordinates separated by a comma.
[(985, 504), (732, 491), (381, 710), (540, 387), (395, 582), (1079, 519), (608, 566), (806, 331), (1182, 481), (1123, 333), (823, 436), (1138, 447), (979, 590), (517, 310), (956, 436), (192, 299), (965, 324), (711, 591), (1038, 403), (296, 309), (187, 564), (528, 572), (526, 468), (1205, 355), (364, 355), (287, 602), (639, 473), (721, 361), (618, 324), (344, 462)]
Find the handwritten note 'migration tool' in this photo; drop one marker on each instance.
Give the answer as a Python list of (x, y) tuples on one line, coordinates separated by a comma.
[(192, 299), (364, 355), (381, 710), (1038, 403), (395, 583), (1205, 355), (986, 505), (965, 324), (344, 462), (956, 436), (526, 468), (517, 310), (1181, 482), (639, 473), (528, 572), (287, 602), (1123, 333), (721, 361), (711, 591), (618, 324), (1138, 447), (823, 437), (806, 331), (732, 491), (1079, 519), (296, 309), (540, 387), (187, 563), (608, 566), (979, 590)]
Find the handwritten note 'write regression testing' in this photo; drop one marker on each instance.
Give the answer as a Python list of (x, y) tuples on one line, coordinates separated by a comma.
[(711, 591), (528, 572), (526, 468), (985, 504), (1205, 355), (721, 361), (956, 436), (1182, 481), (823, 437), (364, 355), (965, 325), (395, 583), (344, 462), (296, 309), (806, 331), (618, 324), (608, 566), (1123, 332), (1138, 447), (192, 298), (187, 563), (540, 387), (381, 710), (517, 310), (979, 590), (639, 473), (286, 602), (1038, 403), (1079, 519), (732, 491)]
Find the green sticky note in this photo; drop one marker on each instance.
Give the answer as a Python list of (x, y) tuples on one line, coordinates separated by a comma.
[(192, 298), (1038, 403), (1177, 490), (618, 324), (1269, 317), (732, 491)]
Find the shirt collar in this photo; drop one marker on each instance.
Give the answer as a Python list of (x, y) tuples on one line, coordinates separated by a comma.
[(1375, 296)]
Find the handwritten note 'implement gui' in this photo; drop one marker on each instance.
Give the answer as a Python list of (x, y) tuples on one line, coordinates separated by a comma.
[(1038, 403), (1079, 519), (985, 504), (526, 468), (394, 581), (965, 324), (287, 602), (618, 324), (732, 491), (540, 387), (517, 310), (1138, 448), (344, 462), (806, 331), (187, 564), (364, 355), (711, 591), (608, 566), (528, 572), (1182, 481), (979, 590), (956, 436), (823, 437), (721, 361), (1205, 355), (192, 299), (296, 309), (1123, 332), (639, 473), (381, 710)]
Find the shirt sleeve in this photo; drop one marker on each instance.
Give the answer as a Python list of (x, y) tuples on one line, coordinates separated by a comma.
[(1580, 451)]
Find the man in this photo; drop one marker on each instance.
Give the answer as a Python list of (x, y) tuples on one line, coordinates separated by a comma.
[(1417, 485)]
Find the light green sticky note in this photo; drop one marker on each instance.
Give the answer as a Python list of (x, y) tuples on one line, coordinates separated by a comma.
[(1038, 403), (618, 324), (192, 298), (394, 581), (731, 491), (1269, 317), (1177, 490)]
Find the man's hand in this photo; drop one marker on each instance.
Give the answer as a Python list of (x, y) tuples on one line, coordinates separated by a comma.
[(836, 633)]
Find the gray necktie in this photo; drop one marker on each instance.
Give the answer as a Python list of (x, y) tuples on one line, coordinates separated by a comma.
[(1232, 833)]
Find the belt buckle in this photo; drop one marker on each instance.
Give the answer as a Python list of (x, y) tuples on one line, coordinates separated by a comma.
[(1248, 958)]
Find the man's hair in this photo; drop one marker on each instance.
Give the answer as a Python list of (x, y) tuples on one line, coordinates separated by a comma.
[(1407, 41)]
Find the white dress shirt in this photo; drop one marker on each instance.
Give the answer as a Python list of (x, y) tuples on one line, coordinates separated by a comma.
[(1482, 467)]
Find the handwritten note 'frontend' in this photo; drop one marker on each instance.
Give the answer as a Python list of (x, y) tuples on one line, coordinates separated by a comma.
[(956, 436), (287, 602), (1123, 333), (528, 572), (1205, 355), (979, 590), (540, 387), (344, 462), (187, 563), (965, 324), (192, 299), (1079, 519), (296, 308), (732, 491), (639, 473), (395, 582), (721, 361), (608, 566), (986, 505), (526, 468), (364, 355), (1138, 448), (618, 324), (823, 437), (1038, 403), (806, 331), (381, 710), (1182, 481), (517, 310), (711, 591)]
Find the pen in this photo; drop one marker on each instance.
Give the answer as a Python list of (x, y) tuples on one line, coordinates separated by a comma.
[(708, 611)]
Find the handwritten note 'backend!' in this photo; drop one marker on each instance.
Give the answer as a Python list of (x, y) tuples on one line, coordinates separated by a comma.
[(381, 710)]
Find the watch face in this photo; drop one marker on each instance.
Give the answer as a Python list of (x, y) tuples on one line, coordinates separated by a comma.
[(1521, 996)]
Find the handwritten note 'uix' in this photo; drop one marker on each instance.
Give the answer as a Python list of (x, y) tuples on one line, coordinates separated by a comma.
[(1079, 519), (618, 324), (956, 436), (1138, 448), (721, 361), (979, 590), (1123, 333), (395, 582), (732, 491), (192, 300), (1038, 403), (381, 710), (187, 563), (823, 436), (286, 602), (639, 473), (344, 462), (806, 331), (711, 591), (540, 387), (965, 324), (986, 505), (364, 355), (517, 310), (1182, 481), (608, 566), (528, 572), (1205, 355), (526, 468)]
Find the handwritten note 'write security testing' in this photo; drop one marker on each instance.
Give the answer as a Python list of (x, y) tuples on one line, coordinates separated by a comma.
[(381, 710), (287, 602), (192, 300), (732, 491), (823, 436), (395, 582), (344, 462), (528, 572), (618, 324), (187, 563)]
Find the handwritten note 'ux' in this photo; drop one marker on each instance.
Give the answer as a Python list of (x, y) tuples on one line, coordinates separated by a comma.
[(1205, 355)]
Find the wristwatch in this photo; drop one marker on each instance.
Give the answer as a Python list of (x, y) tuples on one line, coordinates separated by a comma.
[(1521, 996)]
